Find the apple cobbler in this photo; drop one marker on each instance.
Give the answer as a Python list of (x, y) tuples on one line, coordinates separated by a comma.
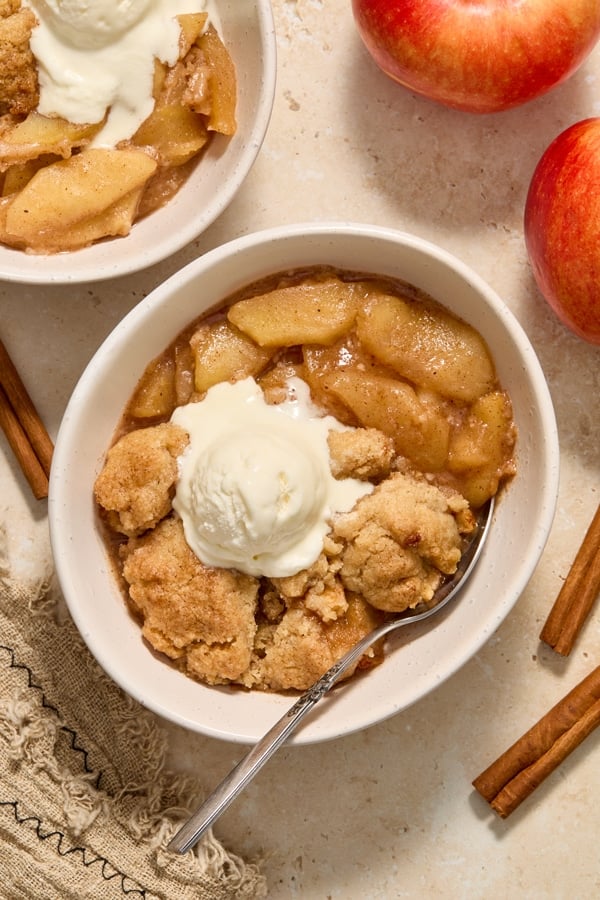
[(417, 417), (61, 192)]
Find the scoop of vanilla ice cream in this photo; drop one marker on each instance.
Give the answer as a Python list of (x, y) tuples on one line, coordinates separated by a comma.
[(92, 23), (96, 59), (255, 491), (258, 496)]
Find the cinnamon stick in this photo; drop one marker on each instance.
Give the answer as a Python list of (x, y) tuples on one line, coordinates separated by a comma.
[(520, 769), (577, 595), (24, 430), (25, 411), (21, 447)]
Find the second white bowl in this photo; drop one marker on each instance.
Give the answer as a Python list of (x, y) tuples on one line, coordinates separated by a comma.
[(249, 32)]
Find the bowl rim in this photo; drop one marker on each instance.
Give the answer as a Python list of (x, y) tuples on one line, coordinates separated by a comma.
[(546, 499), (54, 269)]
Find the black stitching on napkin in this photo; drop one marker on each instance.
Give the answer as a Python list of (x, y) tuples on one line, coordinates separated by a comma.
[(32, 684), (107, 870)]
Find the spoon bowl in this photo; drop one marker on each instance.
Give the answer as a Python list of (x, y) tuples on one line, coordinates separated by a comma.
[(235, 782)]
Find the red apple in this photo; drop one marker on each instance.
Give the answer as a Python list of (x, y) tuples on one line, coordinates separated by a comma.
[(562, 227), (478, 55)]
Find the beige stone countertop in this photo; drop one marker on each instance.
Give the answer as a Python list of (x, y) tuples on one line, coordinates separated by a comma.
[(390, 811)]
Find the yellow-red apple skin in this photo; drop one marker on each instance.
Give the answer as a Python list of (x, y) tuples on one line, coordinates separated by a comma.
[(562, 227), (480, 56)]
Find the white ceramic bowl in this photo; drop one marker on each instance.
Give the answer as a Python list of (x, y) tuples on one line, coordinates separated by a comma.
[(435, 650), (249, 32)]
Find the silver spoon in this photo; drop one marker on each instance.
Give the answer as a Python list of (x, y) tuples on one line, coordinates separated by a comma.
[(234, 783)]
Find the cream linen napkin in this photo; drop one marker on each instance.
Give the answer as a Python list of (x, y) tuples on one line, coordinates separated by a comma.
[(86, 806)]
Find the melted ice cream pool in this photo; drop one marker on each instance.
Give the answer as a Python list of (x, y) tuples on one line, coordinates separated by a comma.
[(95, 56), (255, 491)]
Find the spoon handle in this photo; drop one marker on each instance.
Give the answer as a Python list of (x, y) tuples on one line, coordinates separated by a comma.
[(235, 782)]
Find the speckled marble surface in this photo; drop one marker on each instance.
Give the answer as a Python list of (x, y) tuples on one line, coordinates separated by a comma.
[(388, 812)]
